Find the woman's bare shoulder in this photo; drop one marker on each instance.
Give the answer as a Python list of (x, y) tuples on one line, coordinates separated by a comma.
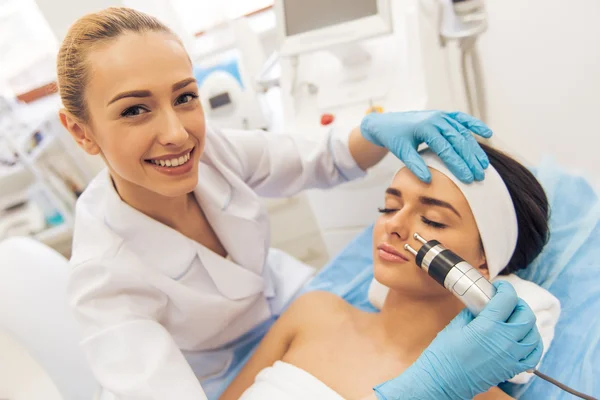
[(319, 307), (320, 299)]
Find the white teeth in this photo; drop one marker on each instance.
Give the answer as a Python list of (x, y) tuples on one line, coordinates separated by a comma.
[(175, 162)]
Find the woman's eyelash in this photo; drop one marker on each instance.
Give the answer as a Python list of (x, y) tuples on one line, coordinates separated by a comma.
[(128, 112), (432, 223), (191, 94), (426, 221)]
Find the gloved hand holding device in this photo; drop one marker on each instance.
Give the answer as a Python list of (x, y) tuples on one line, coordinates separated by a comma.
[(472, 355), (447, 134)]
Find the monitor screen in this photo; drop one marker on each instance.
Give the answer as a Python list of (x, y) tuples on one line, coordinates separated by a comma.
[(307, 15), (219, 100)]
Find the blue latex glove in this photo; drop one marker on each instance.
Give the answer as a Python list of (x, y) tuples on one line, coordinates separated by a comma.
[(447, 134), (472, 355)]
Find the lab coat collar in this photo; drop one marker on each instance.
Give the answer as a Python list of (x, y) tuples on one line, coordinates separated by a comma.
[(233, 217), (159, 245)]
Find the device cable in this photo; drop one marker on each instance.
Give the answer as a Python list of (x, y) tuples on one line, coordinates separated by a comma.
[(562, 386)]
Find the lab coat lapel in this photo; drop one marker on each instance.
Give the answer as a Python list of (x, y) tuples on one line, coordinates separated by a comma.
[(236, 215), (158, 245), (233, 281)]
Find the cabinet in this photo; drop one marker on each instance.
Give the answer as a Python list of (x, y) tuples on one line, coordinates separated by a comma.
[(295, 230), (40, 177)]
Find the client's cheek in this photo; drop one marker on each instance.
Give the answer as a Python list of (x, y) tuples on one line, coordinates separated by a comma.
[(471, 253)]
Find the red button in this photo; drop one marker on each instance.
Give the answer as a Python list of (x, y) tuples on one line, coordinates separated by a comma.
[(327, 119)]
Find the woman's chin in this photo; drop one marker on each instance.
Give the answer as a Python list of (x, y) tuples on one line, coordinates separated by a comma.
[(177, 189), (387, 276), (404, 280)]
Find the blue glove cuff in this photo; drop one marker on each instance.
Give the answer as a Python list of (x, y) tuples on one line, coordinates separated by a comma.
[(369, 129), (392, 391)]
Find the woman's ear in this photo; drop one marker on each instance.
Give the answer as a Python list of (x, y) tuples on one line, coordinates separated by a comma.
[(481, 263), (482, 267), (79, 131)]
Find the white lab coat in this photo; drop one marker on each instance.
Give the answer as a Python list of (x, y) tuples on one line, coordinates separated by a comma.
[(145, 295)]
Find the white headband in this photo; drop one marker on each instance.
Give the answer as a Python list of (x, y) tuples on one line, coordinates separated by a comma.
[(493, 210)]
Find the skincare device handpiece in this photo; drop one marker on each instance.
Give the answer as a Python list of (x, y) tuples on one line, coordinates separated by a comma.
[(465, 281), (454, 273)]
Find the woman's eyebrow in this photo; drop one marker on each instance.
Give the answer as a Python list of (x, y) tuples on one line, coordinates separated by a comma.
[(147, 93), (183, 83), (393, 192), (132, 93), (430, 201)]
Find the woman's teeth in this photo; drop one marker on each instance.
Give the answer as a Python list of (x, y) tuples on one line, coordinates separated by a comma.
[(174, 162)]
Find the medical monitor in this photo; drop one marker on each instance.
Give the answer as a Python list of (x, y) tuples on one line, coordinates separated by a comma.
[(310, 25)]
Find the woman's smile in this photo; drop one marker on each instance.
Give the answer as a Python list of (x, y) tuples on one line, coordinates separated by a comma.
[(173, 164)]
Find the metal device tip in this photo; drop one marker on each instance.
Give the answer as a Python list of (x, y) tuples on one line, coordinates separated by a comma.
[(419, 238), (410, 249)]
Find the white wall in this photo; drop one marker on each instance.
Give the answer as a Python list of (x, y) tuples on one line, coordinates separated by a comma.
[(165, 11), (27, 47), (61, 14), (541, 60), (542, 64)]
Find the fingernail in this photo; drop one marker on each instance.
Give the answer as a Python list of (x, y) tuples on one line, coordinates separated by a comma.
[(483, 161), (424, 176), (479, 175)]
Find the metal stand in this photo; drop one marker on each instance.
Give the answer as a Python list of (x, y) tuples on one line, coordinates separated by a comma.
[(464, 21)]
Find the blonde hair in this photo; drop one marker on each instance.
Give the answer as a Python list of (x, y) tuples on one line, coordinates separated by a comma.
[(87, 32)]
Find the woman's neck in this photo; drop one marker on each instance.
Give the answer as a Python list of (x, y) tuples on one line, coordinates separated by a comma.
[(171, 211), (410, 323)]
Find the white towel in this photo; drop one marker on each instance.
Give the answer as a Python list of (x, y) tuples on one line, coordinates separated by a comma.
[(545, 306), (284, 381)]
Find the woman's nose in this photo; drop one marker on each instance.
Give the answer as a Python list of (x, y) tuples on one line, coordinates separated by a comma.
[(172, 130), (399, 225)]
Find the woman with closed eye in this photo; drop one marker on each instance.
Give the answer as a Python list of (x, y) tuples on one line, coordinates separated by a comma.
[(324, 346)]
